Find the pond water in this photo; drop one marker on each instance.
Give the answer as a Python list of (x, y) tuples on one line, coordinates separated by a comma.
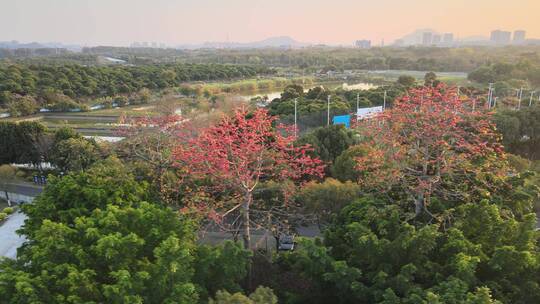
[(416, 74), (111, 139)]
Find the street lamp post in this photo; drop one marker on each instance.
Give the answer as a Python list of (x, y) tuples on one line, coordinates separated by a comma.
[(328, 112)]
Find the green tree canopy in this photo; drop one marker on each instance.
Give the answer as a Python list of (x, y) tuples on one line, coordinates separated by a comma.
[(261, 295), (75, 154), (92, 238), (328, 142), (520, 131), (344, 167), (406, 80), (372, 255), (78, 193), (328, 197), (19, 142)]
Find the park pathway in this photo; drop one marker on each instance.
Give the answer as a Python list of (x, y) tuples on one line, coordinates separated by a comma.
[(9, 239)]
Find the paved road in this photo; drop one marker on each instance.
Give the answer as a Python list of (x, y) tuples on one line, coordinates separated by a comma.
[(24, 188), (9, 240)]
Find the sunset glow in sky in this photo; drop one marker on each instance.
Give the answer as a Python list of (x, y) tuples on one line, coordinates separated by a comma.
[(121, 22)]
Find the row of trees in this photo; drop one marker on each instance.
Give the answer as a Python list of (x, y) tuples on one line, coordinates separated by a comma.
[(342, 101), (32, 143), (77, 81), (520, 131), (21, 142), (526, 71), (412, 58)]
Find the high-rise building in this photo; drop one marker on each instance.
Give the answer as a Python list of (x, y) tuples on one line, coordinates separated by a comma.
[(436, 39), (363, 44), (427, 38), (399, 42), (448, 38), (519, 36), (500, 37)]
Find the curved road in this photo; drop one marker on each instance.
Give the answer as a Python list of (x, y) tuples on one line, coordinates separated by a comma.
[(9, 239)]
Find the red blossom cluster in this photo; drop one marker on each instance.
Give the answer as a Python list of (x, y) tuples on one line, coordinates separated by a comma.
[(243, 149), (429, 134)]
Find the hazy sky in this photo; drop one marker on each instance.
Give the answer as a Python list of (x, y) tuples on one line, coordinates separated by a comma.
[(121, 22)]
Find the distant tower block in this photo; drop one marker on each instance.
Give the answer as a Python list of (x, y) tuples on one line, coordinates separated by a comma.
[(500, 37), (363, 44), (448, 38), (436, 39), (427, 37), (519, 37)]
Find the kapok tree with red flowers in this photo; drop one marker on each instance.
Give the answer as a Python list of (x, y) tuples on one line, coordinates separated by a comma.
[(239, 152), (430, 142)]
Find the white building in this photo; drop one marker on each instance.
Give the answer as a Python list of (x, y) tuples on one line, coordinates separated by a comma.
[(519, 37), (363, 44)]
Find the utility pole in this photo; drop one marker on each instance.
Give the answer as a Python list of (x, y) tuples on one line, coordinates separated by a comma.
[(530, 99), (357, 102), (490, 94), (495, 102), (457, 93), (295, 120), (328, 112), (473, 105), (384, 101), (520, 95)]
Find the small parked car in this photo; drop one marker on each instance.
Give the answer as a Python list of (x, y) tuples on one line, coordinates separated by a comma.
[(286, 243)]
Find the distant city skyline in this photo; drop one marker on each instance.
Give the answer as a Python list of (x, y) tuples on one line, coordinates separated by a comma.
[(174, 22)]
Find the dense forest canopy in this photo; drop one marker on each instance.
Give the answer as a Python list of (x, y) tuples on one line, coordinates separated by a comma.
[(87, 81), (463, 59), (505, 74)]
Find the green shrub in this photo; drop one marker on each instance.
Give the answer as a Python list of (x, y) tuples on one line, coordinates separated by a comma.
[(3, 216), (8, 210)]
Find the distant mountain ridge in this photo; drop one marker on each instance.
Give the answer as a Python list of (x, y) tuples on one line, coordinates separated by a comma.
[(273, 42), (37, 45), (415, 37)]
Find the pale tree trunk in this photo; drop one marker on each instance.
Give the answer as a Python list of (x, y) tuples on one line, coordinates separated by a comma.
[(246, 235), (420, 198), (419, 204)]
